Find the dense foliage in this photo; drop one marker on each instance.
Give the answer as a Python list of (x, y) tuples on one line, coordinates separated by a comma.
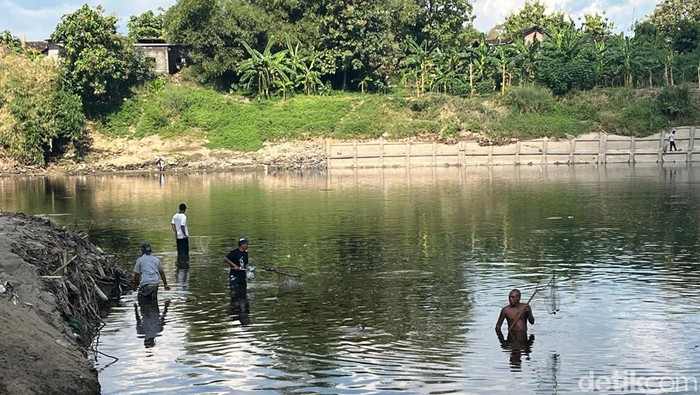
[(38, 118), (417, 52), (98, 64)]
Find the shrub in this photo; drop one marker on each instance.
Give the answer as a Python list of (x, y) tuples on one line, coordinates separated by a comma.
[(38, 119), (675, 102), (484, 87), (564, 76), (640, 118), (530, 99)]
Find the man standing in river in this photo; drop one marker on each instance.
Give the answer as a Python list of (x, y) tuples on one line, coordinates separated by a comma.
[(179, 225), (148, 272), (515, 312), (237, 260)]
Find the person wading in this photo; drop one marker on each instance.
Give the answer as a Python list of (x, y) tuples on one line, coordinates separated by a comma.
[(182, 233), (237, 260), (517, 314), (147, 274)]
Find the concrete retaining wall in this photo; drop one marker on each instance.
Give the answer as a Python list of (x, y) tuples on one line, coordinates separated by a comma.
[(591, 148)]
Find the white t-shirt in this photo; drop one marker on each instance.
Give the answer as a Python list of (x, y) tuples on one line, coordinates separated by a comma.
[(149, 267), (180, 219), (672, 137)]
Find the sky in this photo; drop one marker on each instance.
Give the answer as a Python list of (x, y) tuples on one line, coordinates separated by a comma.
[(36, 19)]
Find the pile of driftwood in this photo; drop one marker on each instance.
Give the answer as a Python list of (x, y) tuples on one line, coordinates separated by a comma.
[(82, 277)]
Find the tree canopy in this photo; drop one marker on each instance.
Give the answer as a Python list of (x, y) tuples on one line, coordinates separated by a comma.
[(145, 26), (99, 64)]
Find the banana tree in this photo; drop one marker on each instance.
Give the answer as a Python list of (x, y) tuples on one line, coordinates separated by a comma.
[(484, 60), (448, 73), (526, 59), (265, 70), (419, 63), (505, 61)]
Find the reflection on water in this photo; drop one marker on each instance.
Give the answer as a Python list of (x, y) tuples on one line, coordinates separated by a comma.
[(406, 272)]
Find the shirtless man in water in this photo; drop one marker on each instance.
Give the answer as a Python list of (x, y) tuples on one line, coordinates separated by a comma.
[(515, 311)]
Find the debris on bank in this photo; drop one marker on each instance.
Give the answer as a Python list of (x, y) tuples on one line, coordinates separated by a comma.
[(57, 285)]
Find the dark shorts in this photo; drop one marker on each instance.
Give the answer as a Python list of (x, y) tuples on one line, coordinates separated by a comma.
[(183, 246), (149, 291), (238, 286)]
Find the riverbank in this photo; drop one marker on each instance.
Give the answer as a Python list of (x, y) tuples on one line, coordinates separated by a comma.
[(55, 285), (183, 154)]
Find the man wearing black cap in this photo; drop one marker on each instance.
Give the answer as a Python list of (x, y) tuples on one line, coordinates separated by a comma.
[(237, 260), (147, 274), (182, 233)]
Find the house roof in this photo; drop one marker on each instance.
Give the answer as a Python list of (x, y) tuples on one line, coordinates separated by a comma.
[(37, 46), (530, 30), (523, 33)]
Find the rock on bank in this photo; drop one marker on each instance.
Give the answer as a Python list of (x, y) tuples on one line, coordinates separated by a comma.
[(55, 285)]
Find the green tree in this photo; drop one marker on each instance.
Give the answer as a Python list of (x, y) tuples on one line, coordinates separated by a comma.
[(420, 64), (39, 118), (533, 13), (356, 36), (146, 25), (266, 70), (12, 43), (215, 31), (597, 25), (669, 13), (99, 64), (564, 68), (526, 59), (306, 68), (685, 36), (484, 60), (446, 23)]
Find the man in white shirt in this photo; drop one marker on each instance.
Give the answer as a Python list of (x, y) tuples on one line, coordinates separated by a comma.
[(672, 141), (179, 225)]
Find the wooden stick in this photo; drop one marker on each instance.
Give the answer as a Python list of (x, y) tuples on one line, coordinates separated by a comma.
[(63, 266)]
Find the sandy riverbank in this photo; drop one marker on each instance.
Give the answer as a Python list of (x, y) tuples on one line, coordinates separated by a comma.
[(54, 283), (180, 155)]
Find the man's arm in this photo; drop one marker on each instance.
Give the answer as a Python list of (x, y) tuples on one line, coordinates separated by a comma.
[(165, 282), (137, 280), (501, 317), (231, 264), (530, 317), (174, 228), (182, 227)]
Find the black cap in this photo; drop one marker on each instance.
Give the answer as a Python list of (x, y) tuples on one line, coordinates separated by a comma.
[(146, 248), (183, 206), (242, 240)]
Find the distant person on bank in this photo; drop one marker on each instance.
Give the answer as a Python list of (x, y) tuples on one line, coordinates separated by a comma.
[(672, 141), (517, 314), (147, 274), (182, 233)]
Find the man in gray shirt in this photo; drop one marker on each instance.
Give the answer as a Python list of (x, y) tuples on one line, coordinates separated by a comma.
[(147, 274)]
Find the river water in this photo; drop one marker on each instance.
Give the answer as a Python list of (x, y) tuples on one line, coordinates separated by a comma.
[(406, 271)]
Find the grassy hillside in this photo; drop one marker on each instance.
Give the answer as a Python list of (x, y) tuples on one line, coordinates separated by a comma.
[(234, 122)]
